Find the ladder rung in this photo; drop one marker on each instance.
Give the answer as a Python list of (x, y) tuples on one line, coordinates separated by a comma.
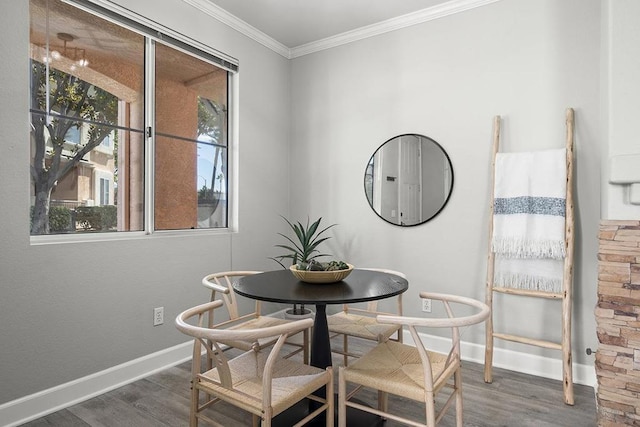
[(530, 341), (530, 293)]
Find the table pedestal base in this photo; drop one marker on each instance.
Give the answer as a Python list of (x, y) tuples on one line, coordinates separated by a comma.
[(355, 417)]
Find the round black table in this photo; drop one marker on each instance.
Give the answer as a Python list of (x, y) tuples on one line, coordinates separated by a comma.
[(281, 286), (360, 286)]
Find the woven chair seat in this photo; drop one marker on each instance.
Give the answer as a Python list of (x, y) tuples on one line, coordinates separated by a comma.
[(290, 381), (221, 284), (415, 373), (395, 368), (360, 326), (257, 323), (360, 322), (262, 381)]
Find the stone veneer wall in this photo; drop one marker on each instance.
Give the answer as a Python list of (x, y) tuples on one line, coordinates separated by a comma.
[(618, 324)]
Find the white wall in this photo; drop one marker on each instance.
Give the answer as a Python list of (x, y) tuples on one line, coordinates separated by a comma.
[(621, 98), (526, 61), (69, 310)]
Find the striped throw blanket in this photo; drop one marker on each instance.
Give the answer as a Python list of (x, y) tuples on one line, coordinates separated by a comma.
[(529, 219)]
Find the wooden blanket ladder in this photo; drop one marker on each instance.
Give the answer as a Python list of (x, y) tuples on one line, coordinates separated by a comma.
[(564, 296)]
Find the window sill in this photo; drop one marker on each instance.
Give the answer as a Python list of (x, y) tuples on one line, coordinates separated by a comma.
[(55, 239)]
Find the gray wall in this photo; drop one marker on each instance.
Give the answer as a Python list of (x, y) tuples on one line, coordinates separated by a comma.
[(68, 310), (307, 128), (524, 60)]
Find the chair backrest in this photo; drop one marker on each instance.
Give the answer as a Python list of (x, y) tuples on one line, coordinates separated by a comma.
[(192, 322), (451, 321), (222, 283), (372, 306)]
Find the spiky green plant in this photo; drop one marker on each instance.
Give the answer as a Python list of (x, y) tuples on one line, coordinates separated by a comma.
[(304, 249)]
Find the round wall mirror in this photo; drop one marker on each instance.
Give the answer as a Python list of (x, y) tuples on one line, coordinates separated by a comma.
[(408, 180)]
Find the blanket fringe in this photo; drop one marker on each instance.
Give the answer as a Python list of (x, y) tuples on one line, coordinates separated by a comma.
[(528, 282), (525, 248)]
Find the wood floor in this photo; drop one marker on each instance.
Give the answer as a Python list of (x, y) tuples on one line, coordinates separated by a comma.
[(513, 399)]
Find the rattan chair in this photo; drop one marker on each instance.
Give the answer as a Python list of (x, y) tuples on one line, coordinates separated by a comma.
[(353, 321), (222, 283), (412, 372), (260, 380)]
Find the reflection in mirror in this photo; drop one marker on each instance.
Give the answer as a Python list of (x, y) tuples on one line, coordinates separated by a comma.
[(408, 180)]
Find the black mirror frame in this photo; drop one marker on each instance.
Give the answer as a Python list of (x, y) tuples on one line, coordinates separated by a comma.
[(369, 201)]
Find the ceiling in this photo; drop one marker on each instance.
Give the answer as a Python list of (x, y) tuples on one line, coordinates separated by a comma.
[(294, 23)]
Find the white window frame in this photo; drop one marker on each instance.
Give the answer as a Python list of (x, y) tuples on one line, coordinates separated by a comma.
[(153, 32)]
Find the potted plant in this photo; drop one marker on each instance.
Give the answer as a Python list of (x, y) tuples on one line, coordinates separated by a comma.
[(303, 249)]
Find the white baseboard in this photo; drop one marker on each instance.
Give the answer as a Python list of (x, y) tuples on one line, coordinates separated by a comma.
[(44, 402), (540, 366)]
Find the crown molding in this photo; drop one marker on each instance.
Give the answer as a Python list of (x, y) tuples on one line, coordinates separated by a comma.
[(414, 18), (240, 26)]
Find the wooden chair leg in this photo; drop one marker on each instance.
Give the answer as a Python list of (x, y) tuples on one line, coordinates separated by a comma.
[(305, 349), (268, 416), (209, 360), (457, 385), (195, 397), (345, 348), (330, 413), (430, 410), (209, 366), (383, 401), (342, 393)]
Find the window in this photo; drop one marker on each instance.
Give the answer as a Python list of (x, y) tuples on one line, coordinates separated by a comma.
[(106, 142), (104, 191), (190, 130), (73, 135), (99, 143)]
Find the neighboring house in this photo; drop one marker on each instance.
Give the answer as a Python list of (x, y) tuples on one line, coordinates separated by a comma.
[(92, 181)]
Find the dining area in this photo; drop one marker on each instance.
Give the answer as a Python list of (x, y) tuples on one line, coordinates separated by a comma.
[(329, 129), (280, 383)]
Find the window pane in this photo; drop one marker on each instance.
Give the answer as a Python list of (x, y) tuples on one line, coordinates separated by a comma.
[(191, 142), (87, 139)]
